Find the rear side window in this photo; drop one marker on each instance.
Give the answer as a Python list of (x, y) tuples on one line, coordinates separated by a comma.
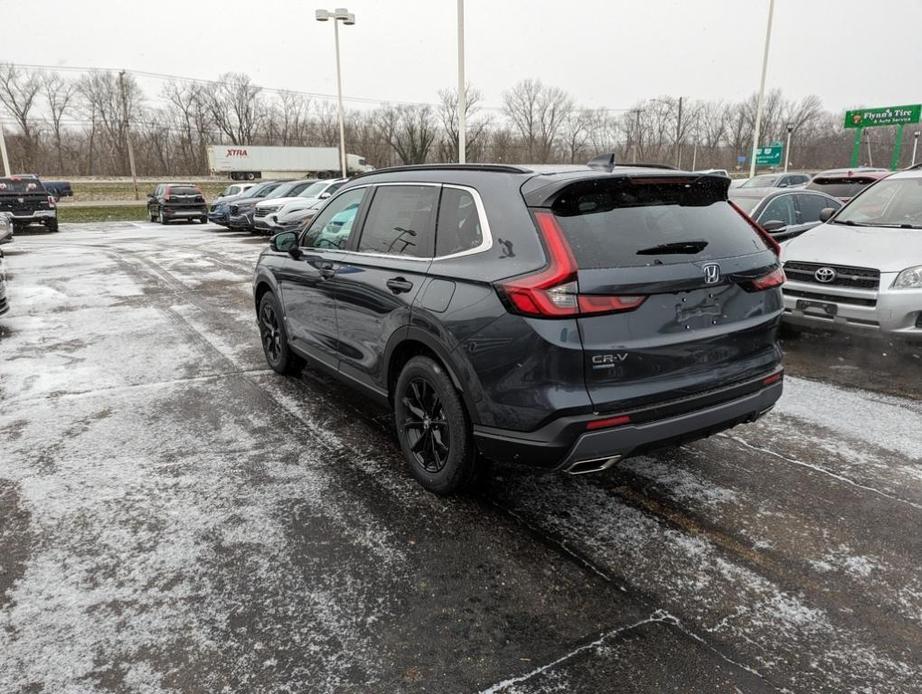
[(627, 222), (458, 228), (400, 221)]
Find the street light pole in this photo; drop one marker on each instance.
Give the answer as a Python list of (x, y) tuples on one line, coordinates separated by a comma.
[(758, 125), (787, 148), (6, 157), (462, 89), (340, 14), (915, 145)]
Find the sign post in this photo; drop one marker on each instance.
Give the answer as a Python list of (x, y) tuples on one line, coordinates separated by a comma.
[(862, 118)]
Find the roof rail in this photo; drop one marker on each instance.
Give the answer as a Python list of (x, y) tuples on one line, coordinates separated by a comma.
[(497, 168)]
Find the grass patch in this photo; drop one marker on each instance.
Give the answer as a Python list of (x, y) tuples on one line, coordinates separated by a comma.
[(103, 213), (89, 191)]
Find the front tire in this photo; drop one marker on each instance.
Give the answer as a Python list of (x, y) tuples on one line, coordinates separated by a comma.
[(274, 338), (433, 428)]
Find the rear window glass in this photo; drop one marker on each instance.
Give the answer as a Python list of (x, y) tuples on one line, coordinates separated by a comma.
[(629, 223), (458, 227), (184, 190), (840, 187), (21, 185)]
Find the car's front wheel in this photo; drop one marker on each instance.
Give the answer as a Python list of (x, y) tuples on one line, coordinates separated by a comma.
[(433, 428), (275, 338)]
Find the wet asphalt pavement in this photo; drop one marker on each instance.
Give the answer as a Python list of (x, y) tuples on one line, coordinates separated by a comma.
[(174, 517)]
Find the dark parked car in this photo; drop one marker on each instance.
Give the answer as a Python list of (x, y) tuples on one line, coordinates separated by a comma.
[(785, 213), (171, 201), (59, 189), (564, 320), (27, 201), (220, 210), (845, 184), (241, 211)]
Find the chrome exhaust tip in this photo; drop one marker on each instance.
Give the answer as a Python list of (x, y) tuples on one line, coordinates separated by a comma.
[(584, 467)]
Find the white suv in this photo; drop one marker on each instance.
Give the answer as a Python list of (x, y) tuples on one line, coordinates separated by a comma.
[(862, 269)]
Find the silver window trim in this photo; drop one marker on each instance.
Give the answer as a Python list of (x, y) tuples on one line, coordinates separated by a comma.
[(486, 242)]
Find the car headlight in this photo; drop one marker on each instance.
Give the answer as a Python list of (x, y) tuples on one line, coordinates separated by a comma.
[(910, 278)]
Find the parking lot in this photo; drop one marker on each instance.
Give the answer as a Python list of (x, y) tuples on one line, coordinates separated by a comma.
[(174, 517)]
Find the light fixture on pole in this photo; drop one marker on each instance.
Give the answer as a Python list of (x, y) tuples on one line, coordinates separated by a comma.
[(787, 148), (340, 14), (462, 89), (755, 134)]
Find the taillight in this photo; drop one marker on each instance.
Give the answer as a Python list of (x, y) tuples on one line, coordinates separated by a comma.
[(768, 238), (554, 291), (774, 378), (775, 278), (51, 202), (608, 422)]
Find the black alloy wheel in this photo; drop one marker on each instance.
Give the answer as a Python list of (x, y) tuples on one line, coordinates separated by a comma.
[(426, 427), (274, 338)]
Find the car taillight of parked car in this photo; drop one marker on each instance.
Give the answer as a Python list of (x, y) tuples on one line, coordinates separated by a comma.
[(554, 291), (51, 201)]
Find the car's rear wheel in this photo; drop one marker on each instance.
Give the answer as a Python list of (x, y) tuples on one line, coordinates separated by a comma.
[(52, 225), (275, 338), (433, 428), (160, 217)]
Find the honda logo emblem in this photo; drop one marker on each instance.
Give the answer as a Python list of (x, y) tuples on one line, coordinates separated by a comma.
[(711, 273)]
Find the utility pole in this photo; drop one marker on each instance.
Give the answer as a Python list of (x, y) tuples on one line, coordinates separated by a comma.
[(697, 137), (134, 173), (755, 134), (678, 134), (462, 89), (915, 146), (6, 157), (870, 156), (636, 134)]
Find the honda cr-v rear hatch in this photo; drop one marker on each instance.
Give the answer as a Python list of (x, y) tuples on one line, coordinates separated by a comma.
[(674, 290)]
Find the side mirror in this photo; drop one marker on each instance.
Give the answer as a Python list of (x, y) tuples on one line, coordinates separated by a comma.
[(150, 196), (773, 225), (325, 195), (286, 242), (826, 213)]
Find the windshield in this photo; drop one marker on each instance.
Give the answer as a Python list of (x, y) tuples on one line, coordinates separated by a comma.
[(312, 191), (262, 190), (283, 190), (760, 182), (895, 202)]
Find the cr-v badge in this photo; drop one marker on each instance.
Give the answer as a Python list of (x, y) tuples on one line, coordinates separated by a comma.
[(711, 273)]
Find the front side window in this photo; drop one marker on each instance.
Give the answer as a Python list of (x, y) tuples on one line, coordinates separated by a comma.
[(400, 221), (781, 209), (458, 228), (812, 205), (332, 227)]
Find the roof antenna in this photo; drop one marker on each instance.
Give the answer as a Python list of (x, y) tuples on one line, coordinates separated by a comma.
[(603, 162)]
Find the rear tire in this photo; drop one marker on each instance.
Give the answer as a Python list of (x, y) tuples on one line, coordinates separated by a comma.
[(160, 218), (274, 338), (433, 428), (52, 226)]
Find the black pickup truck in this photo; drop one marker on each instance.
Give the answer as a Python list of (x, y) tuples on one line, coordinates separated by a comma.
[(29, 203)]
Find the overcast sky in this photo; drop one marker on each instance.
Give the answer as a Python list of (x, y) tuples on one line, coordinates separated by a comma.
[(605, 53)]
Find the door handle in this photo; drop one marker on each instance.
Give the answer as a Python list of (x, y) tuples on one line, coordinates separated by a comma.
[(327, 270), (399, 285)]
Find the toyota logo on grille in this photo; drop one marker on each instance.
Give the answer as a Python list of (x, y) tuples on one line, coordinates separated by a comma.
[(711, 273), (825, 275)]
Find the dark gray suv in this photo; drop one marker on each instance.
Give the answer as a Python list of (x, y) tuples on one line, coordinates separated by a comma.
[(560, 319)]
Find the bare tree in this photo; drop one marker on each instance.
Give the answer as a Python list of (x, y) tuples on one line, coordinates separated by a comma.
[(235, 107), (59, 94), (537, 112), (410, 130), (111, 105), (475, 126), (18, 91)]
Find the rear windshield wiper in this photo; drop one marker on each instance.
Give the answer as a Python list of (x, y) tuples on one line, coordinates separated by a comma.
[(690, 247)]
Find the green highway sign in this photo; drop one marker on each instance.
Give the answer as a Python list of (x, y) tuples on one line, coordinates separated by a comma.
[(769, 156), (889, 115)]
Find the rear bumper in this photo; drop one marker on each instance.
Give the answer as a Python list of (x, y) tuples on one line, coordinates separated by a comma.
[(185, 212), (36, 217), (564, 444)]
